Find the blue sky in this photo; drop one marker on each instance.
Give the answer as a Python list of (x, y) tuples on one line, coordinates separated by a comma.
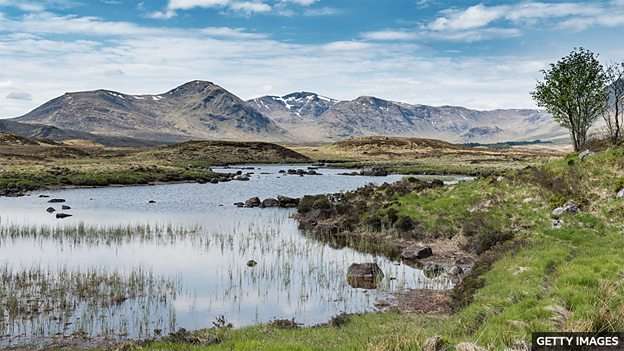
[(479, 54)]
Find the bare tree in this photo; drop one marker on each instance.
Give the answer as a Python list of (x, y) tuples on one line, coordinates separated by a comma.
[(614, 114), (574, 92)]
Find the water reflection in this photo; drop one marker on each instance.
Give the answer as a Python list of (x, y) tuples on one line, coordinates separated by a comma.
[(122, 267)]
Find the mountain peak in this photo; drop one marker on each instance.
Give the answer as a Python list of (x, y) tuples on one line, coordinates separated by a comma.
[(194, 87)]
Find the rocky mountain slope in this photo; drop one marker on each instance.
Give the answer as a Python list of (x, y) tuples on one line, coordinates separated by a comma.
[(195, 110), (203, 110), (310, 117), (46, 133)]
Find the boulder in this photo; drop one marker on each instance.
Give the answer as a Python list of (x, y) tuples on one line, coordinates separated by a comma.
[(434, 343), (557, 223), (287, 202), (364, 275), (620, 194), (62, 215), (50, 209), (270, 202), (416, 252), (585, 154), (568, 207), (56, 201), (455, 271), (65, 207), (468, 346), (253, 202)]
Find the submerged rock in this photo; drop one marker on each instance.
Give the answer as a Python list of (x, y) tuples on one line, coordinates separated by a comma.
[(44, 196), (65, 207), (416, 252), (364, 275), (56, 201)]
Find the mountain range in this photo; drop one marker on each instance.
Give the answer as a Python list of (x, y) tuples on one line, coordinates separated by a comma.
[(204, 110)]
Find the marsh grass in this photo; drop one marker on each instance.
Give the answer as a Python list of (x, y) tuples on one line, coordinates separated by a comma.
[(43, 302)]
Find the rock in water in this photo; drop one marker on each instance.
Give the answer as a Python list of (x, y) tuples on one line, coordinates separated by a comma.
[(50, 209), (252, 263), (65, 207), (374, 172), (253, 202), (416, 252), (239, 204), (56, 201), (287, 202), (364, 275), (270, 202), (62, 215)]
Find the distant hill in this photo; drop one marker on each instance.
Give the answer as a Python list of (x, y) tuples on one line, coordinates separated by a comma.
[(196, 110), (202, 110), (51, 133), (223, 152)]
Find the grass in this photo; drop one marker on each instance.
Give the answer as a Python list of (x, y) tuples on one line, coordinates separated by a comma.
[(425, 156), (543, 279), (29, 167)]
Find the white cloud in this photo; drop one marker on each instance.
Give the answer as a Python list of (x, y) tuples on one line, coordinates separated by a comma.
[(248, 7), (347, 46), (47, 58), (482, 22), (302, 2), (18, 95), (391, 35), (478, 16), (321, 11)]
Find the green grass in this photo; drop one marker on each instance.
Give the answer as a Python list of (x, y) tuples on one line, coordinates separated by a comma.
[(543, 279)]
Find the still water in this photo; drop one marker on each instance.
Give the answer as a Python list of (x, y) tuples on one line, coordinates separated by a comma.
[(122, 267)]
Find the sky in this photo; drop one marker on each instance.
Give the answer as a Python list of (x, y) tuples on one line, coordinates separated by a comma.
[(477, 54)]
